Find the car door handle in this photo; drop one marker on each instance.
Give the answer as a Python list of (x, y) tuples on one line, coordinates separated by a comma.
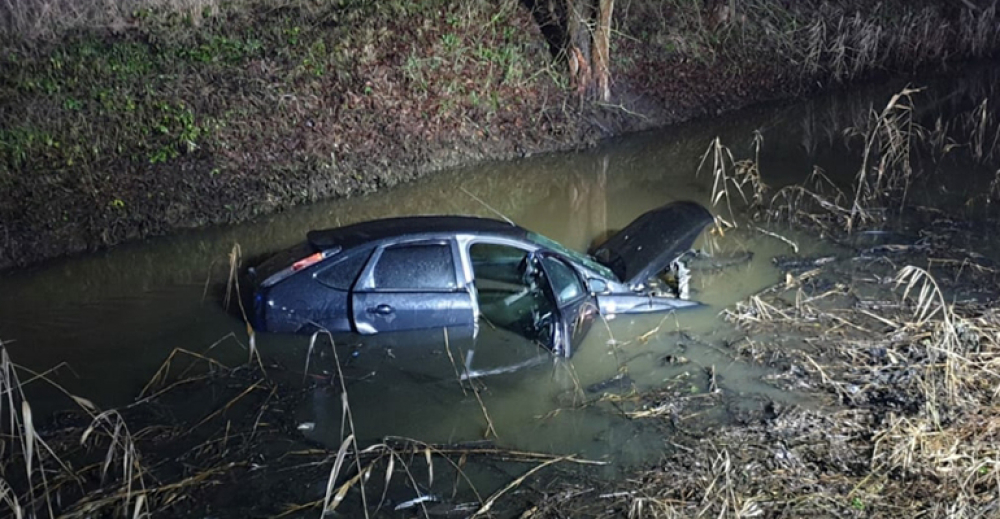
[(380, 309)]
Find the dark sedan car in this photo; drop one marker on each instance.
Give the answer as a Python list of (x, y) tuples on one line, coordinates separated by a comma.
[(448, 271)]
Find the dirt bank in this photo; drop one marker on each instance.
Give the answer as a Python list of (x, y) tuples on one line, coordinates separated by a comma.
[(172, 120)]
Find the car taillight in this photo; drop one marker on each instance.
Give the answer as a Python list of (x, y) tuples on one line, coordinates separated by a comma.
[(307, 261)]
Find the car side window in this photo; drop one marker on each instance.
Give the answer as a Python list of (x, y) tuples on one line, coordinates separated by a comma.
[(417, 266), (496, 262), (565, 283), (343, 271)]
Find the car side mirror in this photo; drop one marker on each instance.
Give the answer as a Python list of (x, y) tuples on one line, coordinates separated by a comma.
[(597, 286)]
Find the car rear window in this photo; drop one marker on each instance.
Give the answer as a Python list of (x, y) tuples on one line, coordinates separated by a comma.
[(344, 269), (419, 266), (283, 260)]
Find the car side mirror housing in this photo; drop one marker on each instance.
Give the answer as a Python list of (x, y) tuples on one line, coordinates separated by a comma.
[(597, 286)]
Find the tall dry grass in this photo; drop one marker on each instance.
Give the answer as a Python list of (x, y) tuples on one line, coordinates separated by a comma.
[(34, 478), (845, 44), (886, 168), (917, 368), (917, 371), (732, 178), (828, 41), (899, 147), (48, 19)]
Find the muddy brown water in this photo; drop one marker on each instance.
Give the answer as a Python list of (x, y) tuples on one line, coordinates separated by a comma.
[(113, 317)]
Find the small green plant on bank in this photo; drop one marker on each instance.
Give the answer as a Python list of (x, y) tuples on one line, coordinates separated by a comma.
[(222, 48), (18, 144), (177, 125), (315, 59), (292, 35), (450, 42)]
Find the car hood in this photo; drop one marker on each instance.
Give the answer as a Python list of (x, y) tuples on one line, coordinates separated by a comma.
[(647, 245)]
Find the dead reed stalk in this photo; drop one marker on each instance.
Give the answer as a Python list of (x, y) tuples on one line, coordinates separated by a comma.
[(886, 160), (731, 177)]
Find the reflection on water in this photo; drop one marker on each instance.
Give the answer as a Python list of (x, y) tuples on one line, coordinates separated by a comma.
[(114, 316)]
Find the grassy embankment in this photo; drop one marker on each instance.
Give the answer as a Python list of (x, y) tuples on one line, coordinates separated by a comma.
[(130, 118)]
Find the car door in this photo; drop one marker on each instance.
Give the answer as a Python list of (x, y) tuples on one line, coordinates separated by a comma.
[(576, 308), (512, 309), (330, 302), (410, 286)]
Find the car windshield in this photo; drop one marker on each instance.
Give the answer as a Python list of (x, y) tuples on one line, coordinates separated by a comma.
[(283, 260), (583, 259)]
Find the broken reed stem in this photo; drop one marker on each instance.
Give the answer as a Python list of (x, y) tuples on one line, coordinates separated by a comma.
[(790, 243), (512, 485), (233, 288), (889, 141), (500, 453), (454, 366), (615, 346), (346, 413), (490, 429), (163, 372), (256, 385)]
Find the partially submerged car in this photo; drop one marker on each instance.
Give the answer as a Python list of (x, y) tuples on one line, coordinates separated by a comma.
[(427, 272)]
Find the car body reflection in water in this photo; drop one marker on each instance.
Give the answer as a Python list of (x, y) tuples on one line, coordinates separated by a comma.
[(465, 273)]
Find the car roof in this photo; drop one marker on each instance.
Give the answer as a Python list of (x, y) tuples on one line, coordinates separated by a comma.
[(361, 233)]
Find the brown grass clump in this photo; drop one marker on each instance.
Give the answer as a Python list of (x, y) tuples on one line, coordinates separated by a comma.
[(911, 426)]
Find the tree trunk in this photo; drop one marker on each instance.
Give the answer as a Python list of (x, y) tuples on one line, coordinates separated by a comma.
[(602, 49), (579, 31), (588, 28)]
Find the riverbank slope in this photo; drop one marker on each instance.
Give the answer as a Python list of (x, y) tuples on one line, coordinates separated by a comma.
[(155, 119)]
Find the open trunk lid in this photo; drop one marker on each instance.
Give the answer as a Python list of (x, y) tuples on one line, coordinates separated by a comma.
[(647, 245)]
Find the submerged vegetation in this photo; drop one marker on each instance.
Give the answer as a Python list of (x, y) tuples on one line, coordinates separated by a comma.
[(132, 118), (222, 441)]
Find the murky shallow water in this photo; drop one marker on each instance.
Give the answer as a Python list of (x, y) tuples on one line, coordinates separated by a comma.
[(114, 317)]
